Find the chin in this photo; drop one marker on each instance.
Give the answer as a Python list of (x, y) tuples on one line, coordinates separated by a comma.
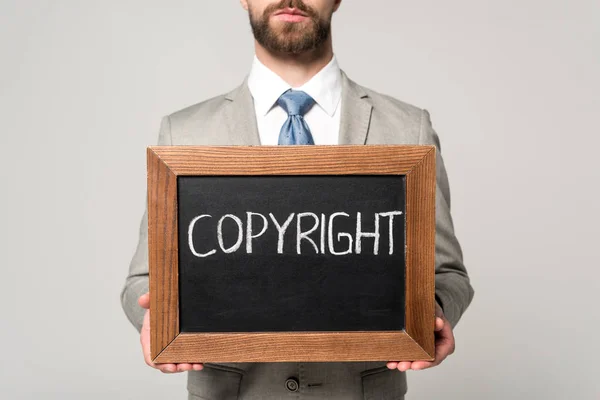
[(292, 29)]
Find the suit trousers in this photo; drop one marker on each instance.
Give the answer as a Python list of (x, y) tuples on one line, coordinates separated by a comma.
[(193, 397), (370, 380)]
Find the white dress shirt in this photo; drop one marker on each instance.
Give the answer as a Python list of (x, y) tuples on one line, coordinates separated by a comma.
[(323, 118)]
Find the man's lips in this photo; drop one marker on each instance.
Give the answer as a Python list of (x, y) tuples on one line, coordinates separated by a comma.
[(290, 15), (291, 11)]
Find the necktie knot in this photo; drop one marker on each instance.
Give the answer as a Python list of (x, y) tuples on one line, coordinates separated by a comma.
[(295, 102)]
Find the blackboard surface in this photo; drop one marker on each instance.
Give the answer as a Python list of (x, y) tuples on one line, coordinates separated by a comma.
[(228, 286)]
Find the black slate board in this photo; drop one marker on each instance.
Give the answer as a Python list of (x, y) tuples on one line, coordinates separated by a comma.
[(312, 291)]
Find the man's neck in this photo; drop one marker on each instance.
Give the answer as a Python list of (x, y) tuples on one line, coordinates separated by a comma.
[(295, 69)]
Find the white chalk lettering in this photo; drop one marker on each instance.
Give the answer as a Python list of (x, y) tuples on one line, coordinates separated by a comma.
[(360, 234), (249, 235), (344, 234), (391, 214), (327, 234), (220, 233), (323, 233), (191, 240), (281, 230), (304, 235)]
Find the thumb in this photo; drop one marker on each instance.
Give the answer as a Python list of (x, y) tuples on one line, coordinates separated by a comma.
[(439, 324), (144, 301)]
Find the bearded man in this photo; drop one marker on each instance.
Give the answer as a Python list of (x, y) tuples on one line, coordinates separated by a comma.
[(295, 74)]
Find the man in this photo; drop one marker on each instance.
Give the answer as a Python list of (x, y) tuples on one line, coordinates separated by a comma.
[(296, 94)]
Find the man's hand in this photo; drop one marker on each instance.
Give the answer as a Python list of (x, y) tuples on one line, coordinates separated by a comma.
[(144, 302), (444, 345)]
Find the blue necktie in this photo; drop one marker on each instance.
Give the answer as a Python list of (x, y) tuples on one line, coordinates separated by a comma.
[(295, 130)]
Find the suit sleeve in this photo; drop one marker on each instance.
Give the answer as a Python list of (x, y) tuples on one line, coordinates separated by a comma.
[(136, 283), (453, 288)]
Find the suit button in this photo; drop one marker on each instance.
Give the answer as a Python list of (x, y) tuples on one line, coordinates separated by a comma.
[(292, 384)]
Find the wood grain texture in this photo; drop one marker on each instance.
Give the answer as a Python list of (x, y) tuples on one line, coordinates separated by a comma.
[(291, 160), (165, 163), (420, 253), (291, 346), (162, 254)]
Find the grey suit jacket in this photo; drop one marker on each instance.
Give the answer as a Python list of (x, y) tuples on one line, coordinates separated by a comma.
[(367, 117)]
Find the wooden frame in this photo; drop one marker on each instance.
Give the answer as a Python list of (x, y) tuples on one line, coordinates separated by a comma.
[(416, 342)]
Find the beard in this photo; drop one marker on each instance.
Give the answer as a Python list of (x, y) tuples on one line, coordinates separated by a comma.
[(290, 37)]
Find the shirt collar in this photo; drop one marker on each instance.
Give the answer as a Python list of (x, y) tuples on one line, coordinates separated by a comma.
[(266, 87)]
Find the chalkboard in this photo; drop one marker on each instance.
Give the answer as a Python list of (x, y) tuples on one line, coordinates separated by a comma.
[(291, 253)]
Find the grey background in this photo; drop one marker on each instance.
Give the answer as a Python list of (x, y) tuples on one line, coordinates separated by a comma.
[(512, 87)]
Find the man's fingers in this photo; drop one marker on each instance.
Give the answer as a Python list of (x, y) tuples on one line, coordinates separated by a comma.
[(439, 324), (173, 368), (184, 367), (167, 368), (144, 301), (404, 366), (419, 365), (401, 366)]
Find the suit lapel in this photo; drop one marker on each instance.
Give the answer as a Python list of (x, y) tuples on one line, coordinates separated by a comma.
[(355, 115), (240, 117)]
